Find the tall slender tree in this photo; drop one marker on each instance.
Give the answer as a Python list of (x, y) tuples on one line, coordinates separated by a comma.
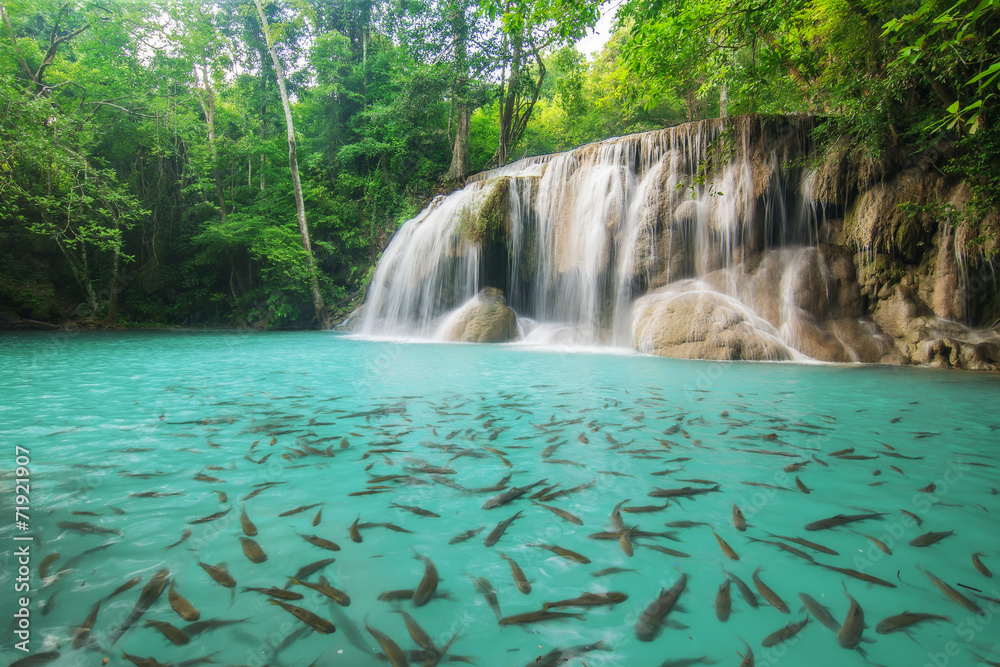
[(322, 316)]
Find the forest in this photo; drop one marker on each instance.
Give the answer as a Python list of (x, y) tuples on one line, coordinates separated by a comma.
[(243, 164)]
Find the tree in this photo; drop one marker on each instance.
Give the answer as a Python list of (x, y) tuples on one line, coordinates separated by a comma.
[(300, 209), (53, 186), (530, 28)]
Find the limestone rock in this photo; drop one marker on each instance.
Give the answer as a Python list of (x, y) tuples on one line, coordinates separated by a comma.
[(692, 321), (483, 319), (895, 314)]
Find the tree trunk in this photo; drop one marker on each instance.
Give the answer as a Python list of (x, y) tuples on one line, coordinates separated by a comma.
[(80, 271), (113, 286), (460, 153), (724, 101), (208, 107), (463, 114), (508, 105), (300, 208)]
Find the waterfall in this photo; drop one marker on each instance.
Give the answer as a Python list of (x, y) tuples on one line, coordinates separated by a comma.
[(716, 215)]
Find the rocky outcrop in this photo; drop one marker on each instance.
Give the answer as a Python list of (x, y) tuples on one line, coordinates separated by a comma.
[(484, 319), (732, 238), (692, 321)]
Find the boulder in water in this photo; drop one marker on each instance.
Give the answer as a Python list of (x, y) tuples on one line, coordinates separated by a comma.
[(692, 321), (483, 319)]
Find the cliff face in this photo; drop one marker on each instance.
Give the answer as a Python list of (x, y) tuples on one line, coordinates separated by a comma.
[(724, 239)]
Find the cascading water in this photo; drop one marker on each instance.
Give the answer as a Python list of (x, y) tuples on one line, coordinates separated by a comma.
[(584, 244)]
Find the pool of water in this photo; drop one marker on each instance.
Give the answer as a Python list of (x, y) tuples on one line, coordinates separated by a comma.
[(134, 439)]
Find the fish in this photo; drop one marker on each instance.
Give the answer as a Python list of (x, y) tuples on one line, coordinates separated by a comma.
[(559, 656), (485, 588), (684, 524), (726, 549), (745, 590), (785, 633), (561, 513), (646, 508), (560, 551), (819, 611), (324, 588), (625, 541), (397, 658), (396, 595), (124, 587), (147, 597), (302, 508), (589, 600), (648, 625), (517, 573), (616, 535), (311, 568), (683, 492), (317, 519), (612, 570), (509, 495), (877, 542), (913, 516), (859, 575), (498, 532), (978, 564), (955, 595), (801, 486), (806, 543), (664, 550), (902, 621), (87, 528), (82, 632), (193, 629), (850, 632), (418, 634), (219, 573), (36, 659), (201, 477), (769, 594), (184, 536), (177, 636), (784, 547), (252, 550), (249, 529), (354, 532), (549, 497), (222, 496), (43, 567), (419, 511), (794, 467), (467, 535), (428, 583), (842, 519), (739, 522), (320, 625), (723, 601), (183, 608), (275, 592), (211, 517), (536, 616), (930, 538), (318, 541)]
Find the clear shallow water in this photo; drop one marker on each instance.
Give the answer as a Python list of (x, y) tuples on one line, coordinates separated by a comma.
[(109, 415)]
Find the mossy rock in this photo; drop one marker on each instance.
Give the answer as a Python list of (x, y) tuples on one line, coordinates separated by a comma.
[(488, 217), (30, 299), (897, 217)]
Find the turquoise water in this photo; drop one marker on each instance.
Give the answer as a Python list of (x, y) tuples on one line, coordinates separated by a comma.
[(108, 416)]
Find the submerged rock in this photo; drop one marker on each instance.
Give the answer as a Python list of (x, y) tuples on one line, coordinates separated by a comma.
[(483, 319), (691, 321)]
